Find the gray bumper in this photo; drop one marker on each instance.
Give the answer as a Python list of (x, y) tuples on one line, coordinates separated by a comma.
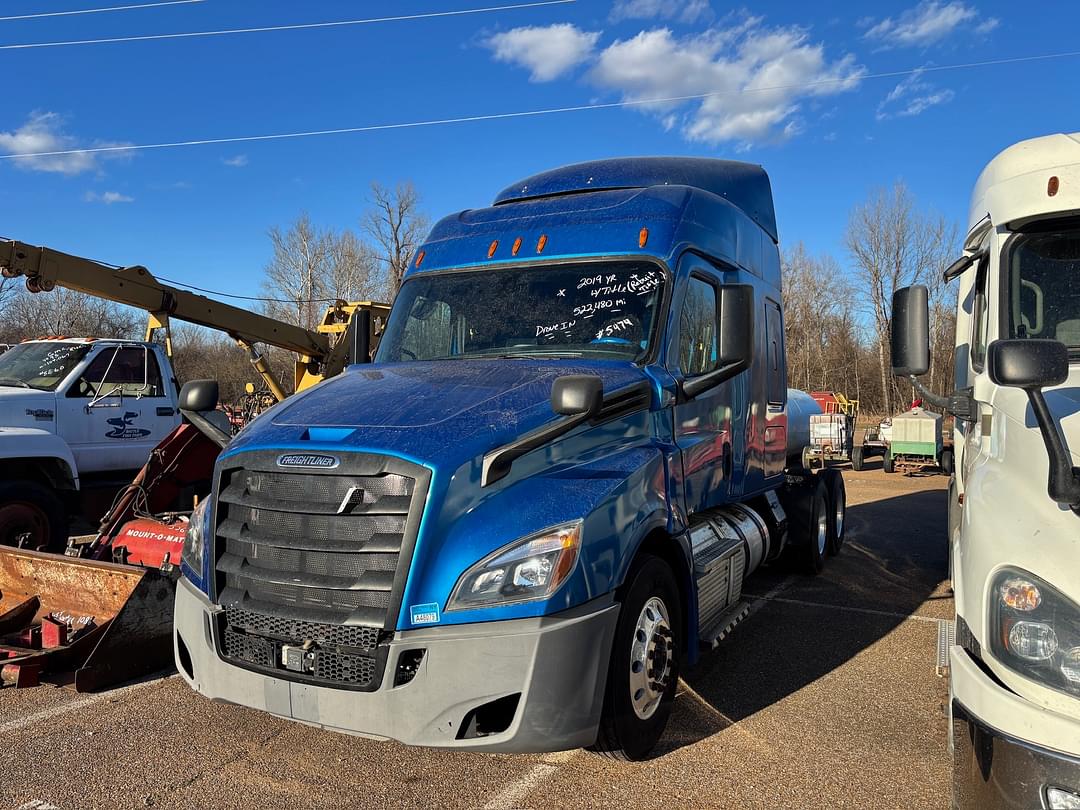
[(557, 665), (992, 770)]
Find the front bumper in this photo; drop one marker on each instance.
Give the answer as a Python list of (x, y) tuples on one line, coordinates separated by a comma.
[(557, 665), (1005, 752)]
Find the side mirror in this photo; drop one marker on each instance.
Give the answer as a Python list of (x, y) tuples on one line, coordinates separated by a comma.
[(1031, 365), (735, 339), (1028, 364), (198, 396), (911, 331), (360, 335), (577, 395)]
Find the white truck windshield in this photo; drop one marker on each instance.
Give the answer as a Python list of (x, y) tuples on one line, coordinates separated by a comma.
[(596, 309), (1044, 285), (39, 365)]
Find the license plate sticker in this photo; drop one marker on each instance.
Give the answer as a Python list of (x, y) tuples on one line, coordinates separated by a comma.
[(425, 614)]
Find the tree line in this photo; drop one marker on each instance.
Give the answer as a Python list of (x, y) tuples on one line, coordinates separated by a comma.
[(836, 319)]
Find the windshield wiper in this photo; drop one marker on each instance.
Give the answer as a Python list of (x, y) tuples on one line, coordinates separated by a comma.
[(13, 383)]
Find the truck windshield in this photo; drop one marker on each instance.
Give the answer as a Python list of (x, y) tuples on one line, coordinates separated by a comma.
[(39, 365), (596, 309), (1044, 285)]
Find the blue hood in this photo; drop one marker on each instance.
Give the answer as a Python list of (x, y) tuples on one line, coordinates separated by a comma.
[(440, 413)]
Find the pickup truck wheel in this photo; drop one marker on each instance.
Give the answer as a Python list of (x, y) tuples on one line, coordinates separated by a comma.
[(31, 517), (644, 667), (857, 462), (837, 510)]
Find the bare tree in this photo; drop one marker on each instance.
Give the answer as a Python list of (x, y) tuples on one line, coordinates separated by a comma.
[(396, 226), (356, 274), (298, 272), (66, 312), (892, 245)]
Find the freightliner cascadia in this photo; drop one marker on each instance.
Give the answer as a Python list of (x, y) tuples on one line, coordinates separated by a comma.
[(513, 529)]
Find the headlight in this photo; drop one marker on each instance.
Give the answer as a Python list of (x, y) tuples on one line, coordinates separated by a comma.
[(528, 569), (194, 554), (1035, 630)]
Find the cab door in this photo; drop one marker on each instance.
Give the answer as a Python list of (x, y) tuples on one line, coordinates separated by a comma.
[(704, 426), (117, 410)]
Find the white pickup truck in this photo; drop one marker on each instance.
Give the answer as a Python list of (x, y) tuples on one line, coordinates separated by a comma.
[(75, 412)]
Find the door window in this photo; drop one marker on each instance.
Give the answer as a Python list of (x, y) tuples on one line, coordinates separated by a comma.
[(697, 329), (128, 371)]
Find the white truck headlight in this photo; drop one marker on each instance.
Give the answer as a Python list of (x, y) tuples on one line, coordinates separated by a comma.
[(527, 569), (1035, 630), (198, 531)]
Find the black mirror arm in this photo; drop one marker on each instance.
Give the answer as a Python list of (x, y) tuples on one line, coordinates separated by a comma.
[(697, 385), (207, 428), (960, 403), (1064, 483)]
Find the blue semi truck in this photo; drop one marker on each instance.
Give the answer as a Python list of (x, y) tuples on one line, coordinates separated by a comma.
[(513, 529)]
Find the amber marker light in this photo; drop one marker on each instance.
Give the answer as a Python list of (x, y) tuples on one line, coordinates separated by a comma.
[(494, 246), (1052, 186), (541, 243), (517, 246), (420, 257), (1020, 594), (642, 237)]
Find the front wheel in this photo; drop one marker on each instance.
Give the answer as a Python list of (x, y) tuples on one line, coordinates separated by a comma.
[(644, 667), (31, 517)]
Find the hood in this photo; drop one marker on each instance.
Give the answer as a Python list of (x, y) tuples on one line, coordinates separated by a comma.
[(440, 412), (27, 408)]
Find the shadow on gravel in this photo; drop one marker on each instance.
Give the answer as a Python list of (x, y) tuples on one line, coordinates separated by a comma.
[(894, 559)]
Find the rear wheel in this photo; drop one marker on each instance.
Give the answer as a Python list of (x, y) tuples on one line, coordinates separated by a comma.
[(857, 461), (32, 517), (644, 667), (837, 509), (888, 464), (946, 461), (808, 521)]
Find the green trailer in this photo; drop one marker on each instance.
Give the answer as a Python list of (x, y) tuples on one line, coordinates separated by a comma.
[(916, 444)]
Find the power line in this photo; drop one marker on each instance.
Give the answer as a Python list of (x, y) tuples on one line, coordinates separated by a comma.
[(535, 113), (221, 294), (99, 10), (293, 27)]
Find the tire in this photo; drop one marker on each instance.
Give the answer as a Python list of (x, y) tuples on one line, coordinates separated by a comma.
[(807, 458), (837, 510), (808, 521), (945, 461), (32, 516), (630, 729), (857, 462), (888, 464)]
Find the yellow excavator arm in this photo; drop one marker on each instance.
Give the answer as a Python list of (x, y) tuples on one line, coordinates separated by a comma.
[(320, 353)]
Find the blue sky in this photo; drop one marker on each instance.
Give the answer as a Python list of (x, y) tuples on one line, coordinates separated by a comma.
[(200, 214)]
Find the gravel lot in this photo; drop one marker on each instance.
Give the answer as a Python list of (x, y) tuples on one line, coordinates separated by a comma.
[(825, 696)]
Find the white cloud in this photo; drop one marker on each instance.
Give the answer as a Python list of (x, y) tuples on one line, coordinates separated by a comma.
[(913, 96), (546, 51), (928, 22), (753, 79), (237, 162), (42, 132), (685, 11), (108, 197)]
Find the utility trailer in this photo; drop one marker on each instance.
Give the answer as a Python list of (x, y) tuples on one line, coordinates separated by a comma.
[(916, 444), (515, 528)]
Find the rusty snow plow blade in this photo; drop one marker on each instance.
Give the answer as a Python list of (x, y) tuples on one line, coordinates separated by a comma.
[(107, 623)]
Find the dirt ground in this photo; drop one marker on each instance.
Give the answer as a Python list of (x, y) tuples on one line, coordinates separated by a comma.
[(826, 696)]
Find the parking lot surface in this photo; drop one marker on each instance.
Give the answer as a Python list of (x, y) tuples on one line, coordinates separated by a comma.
[(825, 696)]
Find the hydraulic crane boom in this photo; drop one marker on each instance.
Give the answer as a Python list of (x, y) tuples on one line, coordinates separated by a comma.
[(319, 354)]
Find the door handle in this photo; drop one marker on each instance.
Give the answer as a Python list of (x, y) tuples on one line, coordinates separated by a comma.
[(165, 411)]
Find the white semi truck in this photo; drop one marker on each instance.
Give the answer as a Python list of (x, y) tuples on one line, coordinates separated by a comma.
[(1013, 654), (75, 412)]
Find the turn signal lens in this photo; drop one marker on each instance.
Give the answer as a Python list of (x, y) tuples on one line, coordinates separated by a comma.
[(1020, 594)]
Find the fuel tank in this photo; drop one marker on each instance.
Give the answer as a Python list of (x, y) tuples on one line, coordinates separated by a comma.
[(800, 407)]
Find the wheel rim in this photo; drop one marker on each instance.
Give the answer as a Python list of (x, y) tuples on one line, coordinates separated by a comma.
[(841, 510), (822, 530), (23, 525), (651, 657)]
